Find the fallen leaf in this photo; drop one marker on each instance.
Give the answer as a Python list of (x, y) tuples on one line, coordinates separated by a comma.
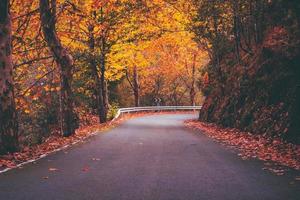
[(85, 169), (262, 147), (52, 169)]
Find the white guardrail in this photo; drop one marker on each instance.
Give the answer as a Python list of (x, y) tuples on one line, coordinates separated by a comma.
[(155, 108)]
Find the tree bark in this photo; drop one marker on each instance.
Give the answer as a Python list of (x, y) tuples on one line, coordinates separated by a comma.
[(192, 88), (68, 118), (259, 17), (216, 39), (103, 83), (8, 115), (95, 72), (104, 105), (236, 28), (136, 89), (134, 84)]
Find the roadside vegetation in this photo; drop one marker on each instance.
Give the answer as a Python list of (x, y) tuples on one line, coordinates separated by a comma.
[(66, 66), (65, 62)]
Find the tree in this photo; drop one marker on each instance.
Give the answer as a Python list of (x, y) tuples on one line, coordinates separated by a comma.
[(68, 118), (135, 86), (95, 71), (95, 33), (8, 116), (172, 69), (131, 57), (103, 25)]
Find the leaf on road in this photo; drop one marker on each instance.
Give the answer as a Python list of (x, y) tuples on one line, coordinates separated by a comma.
[(52, 169), (85, 169)]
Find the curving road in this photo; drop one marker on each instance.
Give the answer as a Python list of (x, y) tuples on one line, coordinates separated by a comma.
[(147, 158)]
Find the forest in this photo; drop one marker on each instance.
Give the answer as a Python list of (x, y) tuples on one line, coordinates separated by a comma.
[(65, 62)]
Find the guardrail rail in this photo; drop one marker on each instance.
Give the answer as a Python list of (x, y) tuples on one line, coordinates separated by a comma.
[(154, 108)]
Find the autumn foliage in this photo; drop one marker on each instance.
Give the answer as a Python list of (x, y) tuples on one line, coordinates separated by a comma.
[(254, 68), (66, 66), (73, 58)]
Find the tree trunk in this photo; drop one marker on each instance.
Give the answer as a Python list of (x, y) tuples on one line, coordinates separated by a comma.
[(8, 116), (136, 89), (236, 28), (192, 88), (69, 120), (259, 17), (134, 84), (104, 95), (216, 40), (99, 97), (103, 83), (95, 72)]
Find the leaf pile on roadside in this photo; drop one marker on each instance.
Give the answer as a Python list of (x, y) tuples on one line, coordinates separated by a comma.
[(263, 147)]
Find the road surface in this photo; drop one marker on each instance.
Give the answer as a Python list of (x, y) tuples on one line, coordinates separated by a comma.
[(146, 158)]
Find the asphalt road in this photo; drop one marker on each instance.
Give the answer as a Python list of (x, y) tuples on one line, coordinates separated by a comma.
[(147, 158)]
